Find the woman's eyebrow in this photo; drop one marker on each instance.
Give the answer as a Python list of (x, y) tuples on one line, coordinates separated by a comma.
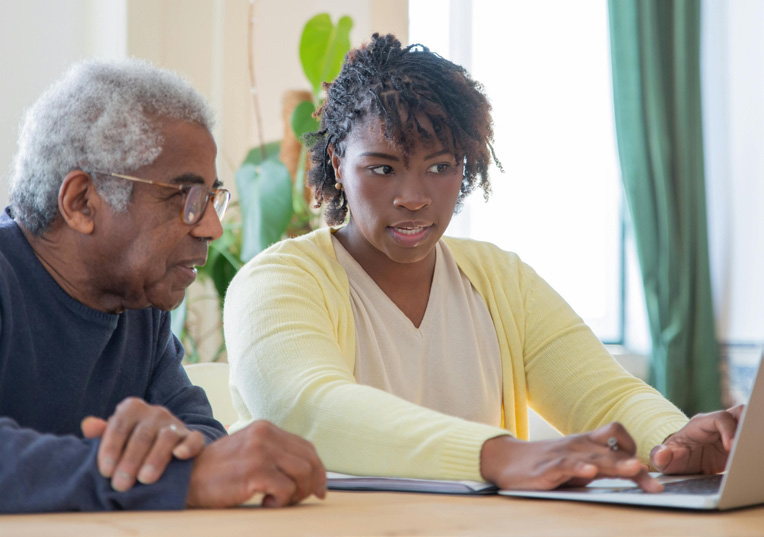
[(437, 154), (380, 155)]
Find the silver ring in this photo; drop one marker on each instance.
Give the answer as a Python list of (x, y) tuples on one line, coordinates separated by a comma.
[(173, 428), (612, 443)]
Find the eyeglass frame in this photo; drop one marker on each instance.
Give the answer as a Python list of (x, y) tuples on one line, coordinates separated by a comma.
[(185, 189)]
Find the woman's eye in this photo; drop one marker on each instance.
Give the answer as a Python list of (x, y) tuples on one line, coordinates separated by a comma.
[(382, 170), (441, 167)]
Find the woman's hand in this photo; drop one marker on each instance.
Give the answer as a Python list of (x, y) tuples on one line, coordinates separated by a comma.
[(573, 460), (701, 446)]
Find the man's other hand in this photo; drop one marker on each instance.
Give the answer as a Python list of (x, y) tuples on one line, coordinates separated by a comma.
[(259, 459), (138, 441)]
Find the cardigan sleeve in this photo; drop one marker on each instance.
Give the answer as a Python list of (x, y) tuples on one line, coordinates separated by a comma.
[(575, 383), (290, 338), (552, 362)]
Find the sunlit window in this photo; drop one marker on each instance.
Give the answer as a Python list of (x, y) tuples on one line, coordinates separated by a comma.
[(546, 69)]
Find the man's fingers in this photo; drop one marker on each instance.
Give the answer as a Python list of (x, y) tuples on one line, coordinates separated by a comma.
[(300, 471), (113, 442), (139, 445), (161, 453), (297, 459), (93, 427), (191, 445), (303, 450), (279, 490)]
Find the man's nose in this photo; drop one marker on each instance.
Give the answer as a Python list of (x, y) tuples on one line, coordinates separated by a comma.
[(209, 226)]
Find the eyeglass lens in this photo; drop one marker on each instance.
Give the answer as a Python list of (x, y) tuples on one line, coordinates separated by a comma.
[(196, 203)]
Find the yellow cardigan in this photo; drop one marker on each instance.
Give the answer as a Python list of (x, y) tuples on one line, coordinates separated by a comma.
[(291, 344)]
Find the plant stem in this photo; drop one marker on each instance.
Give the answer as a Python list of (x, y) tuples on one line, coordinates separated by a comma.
[(298, 196), (252, 84)]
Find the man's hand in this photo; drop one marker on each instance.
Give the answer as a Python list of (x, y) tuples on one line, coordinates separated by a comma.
[(258, 459), (573, 460), (138, 441), (701, 446)]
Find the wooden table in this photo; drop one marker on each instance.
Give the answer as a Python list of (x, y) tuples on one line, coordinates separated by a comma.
[(360, 514)]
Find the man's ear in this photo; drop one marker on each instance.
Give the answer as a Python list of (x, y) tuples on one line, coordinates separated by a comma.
[(78, 200), (336, 161)]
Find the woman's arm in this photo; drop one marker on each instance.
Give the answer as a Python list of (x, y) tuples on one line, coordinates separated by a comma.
[(291, 343), (576, 385)]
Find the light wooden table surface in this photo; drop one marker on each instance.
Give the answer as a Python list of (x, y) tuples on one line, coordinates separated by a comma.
[(367, 514)]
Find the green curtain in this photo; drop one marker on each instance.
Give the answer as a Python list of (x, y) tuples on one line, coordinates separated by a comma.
[(655, 54)]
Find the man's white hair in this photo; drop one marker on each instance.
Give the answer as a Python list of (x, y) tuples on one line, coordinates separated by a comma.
[(103, 115)]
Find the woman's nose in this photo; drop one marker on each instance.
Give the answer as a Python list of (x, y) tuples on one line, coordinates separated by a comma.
[(412, 195)]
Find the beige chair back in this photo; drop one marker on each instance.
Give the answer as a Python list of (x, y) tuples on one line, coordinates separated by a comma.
[(213, 379)]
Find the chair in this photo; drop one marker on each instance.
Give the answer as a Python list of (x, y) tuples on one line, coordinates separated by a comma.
[(213, 379)]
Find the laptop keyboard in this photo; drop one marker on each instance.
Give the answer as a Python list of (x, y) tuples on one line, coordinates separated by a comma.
[(700, 486)]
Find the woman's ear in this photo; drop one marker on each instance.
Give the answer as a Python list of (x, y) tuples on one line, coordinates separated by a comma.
[(77, 201), (336, 161)]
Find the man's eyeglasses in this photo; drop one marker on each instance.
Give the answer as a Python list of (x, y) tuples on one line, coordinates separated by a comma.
[(195, 197)]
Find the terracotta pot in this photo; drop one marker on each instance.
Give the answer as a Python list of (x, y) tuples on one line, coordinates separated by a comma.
[(290, 145)]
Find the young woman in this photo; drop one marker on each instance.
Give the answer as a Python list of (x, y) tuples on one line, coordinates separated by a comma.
[(397, 351)]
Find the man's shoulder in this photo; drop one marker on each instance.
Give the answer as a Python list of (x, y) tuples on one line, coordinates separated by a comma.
[(12, 250), (9, 232)]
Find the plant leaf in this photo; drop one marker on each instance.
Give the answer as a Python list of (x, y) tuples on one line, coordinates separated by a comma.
[(265, 194), (222, 272), (222, 262), (178, 319), (303, 120), (255, 155), (323, 47)]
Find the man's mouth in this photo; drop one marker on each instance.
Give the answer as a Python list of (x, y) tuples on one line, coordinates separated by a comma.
[(189, 267), (189, 270)]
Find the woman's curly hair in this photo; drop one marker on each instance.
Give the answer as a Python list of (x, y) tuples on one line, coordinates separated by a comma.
[(383, 78)]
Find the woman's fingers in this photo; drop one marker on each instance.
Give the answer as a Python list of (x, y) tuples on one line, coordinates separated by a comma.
[(573, 460)]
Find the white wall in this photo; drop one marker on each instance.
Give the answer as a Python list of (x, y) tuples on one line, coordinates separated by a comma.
[(38, 39), (733, 108)]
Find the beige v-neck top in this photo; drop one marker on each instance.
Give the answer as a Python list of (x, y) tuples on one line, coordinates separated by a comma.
[(451, 363)]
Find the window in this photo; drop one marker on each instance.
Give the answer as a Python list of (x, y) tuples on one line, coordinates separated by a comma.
[(545, 66)]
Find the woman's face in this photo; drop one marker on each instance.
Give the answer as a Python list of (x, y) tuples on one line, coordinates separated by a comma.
[(398, 210)]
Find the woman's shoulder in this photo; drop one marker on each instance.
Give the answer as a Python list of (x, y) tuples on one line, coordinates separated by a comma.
[(307, 256), (317, 242), (480, 252), (485, 264)]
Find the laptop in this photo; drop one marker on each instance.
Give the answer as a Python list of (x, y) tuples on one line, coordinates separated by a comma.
[(741, 484)]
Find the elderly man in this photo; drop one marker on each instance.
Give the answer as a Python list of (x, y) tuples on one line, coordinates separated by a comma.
[(114, 199)]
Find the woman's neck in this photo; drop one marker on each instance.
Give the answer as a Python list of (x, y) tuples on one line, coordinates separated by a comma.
[(406, 284)]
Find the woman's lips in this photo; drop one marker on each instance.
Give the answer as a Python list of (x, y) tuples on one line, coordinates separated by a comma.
[(410, 235)]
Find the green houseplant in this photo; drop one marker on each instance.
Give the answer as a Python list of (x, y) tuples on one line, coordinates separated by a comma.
[(271, 203)]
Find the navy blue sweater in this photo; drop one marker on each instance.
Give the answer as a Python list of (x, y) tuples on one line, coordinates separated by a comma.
[(61, 361)]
